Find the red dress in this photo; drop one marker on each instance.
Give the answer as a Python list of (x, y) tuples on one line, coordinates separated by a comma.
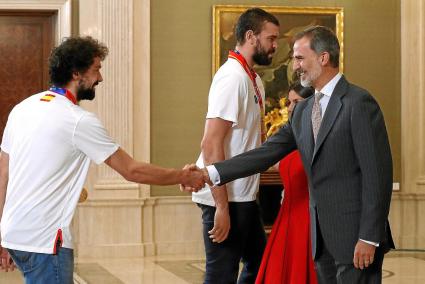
[(287, 258)]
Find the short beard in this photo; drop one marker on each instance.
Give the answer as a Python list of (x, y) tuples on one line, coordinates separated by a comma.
[(261, 57), (314, 74), (305, 83), (86, 93)]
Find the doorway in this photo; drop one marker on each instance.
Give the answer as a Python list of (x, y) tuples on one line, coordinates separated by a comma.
[(26, 39)]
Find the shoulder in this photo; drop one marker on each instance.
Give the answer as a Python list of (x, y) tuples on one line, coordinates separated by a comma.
[(357, 95), (231, 71), (87, 117)]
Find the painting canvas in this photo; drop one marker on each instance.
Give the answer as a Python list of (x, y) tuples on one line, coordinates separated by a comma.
[(277, 76)]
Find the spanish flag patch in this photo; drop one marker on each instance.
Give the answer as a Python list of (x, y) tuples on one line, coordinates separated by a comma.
[(47, 98)]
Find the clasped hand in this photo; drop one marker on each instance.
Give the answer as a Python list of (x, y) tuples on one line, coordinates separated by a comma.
[(194, 178)]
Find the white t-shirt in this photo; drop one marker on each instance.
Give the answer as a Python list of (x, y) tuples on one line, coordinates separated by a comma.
[(50, 145), (232, 98)]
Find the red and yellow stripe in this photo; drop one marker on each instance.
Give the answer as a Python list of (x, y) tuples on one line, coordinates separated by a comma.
[(47, 98)]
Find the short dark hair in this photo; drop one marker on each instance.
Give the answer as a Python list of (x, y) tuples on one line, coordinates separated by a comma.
[(322, 39), (303, 92), (252, 19), (74, 54)]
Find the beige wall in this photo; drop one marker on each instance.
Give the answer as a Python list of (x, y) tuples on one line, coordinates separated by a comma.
[(181, 39)]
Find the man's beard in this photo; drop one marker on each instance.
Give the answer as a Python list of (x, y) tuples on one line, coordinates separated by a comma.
[(261, 57), (84, 93), (311, 76)]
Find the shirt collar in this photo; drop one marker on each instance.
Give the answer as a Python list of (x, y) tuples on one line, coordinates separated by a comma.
[(328, 89)]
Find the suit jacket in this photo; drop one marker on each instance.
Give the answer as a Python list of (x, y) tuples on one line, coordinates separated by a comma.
[(349, 169)]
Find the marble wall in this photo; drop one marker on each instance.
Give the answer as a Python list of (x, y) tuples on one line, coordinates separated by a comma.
[(122, 219), (408, 206)]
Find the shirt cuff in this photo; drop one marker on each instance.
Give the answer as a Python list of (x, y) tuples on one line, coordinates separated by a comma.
[(371, 243), (214, 175)]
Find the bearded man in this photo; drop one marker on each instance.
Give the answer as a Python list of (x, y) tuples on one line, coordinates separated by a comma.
[(48, 144), (233, 126)]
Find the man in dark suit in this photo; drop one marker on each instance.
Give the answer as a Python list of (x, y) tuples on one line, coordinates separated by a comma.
[(341, 135)]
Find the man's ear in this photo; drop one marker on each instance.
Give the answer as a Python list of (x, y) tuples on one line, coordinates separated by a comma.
[(325, 57), (76, 76), (250, 37)]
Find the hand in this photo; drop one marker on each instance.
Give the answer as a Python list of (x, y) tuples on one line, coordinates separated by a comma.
[(193, 178), (221, 228), (363, 254), (193, 167), (6, 261)]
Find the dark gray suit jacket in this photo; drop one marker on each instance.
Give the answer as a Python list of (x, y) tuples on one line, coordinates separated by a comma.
[(349, 169)]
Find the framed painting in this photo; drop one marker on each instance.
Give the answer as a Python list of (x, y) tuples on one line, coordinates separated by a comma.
[(277, 76)]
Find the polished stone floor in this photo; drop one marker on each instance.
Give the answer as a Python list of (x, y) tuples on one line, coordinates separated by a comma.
[(400, 267)]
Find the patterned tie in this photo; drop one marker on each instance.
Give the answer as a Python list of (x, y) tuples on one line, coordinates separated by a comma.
[(316, 115)]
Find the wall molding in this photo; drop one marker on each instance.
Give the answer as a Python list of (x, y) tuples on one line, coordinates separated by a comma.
[(61, 7)]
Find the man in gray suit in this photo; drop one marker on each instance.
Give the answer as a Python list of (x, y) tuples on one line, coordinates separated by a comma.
[(341, 135)]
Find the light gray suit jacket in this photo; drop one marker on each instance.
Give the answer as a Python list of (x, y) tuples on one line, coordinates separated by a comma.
[(349, 169)]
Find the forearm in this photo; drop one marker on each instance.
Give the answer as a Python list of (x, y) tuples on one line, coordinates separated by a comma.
[(151, 174), (212, 154)]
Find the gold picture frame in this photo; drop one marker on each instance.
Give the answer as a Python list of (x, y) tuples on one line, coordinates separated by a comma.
[(276, 77)]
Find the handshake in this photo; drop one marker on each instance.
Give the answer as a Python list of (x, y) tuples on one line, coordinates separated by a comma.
[(193, 178)]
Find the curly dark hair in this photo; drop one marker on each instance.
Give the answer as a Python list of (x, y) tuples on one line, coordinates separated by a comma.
[(74, 54)]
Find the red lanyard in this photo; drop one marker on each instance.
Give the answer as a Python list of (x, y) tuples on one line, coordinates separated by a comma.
[(251, 73)]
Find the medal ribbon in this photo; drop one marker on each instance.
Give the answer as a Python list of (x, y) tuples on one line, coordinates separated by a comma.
[(64, 92), (252, 75)]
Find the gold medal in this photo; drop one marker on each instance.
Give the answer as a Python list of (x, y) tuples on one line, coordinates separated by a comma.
[(83, 195)]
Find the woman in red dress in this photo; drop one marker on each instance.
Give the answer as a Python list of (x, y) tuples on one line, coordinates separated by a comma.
[(288, 257)]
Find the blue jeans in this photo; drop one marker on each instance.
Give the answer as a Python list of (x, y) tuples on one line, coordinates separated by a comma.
[(246, 243), (41, 268)]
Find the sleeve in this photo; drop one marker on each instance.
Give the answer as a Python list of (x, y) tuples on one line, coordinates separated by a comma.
[(373, 152), (224, 97), (259, 159), (6, 142), (91, 138)]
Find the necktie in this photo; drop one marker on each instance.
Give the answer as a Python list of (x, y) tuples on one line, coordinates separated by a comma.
[(316, 115)]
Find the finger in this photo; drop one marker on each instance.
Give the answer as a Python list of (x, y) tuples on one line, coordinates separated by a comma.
[(356, 261), (182, 188), (11, 264), (186, 166), (3, 263), (193, 167), (361, 263), (371, 259), (212, 231), (366, 262)]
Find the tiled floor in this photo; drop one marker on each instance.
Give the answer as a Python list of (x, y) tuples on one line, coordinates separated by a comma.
[(400, 267)]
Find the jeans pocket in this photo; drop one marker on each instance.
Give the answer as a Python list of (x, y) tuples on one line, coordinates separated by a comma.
[(20, 256), (21, 259)]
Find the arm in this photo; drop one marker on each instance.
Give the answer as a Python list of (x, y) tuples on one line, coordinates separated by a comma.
[(259, 159), (373, 152), (213, 151), (6, 260), (140, 172)]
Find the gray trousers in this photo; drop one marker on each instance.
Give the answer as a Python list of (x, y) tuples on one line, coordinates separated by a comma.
[(330, 271)]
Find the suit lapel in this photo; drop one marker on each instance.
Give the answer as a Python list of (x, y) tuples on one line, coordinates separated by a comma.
[(308, 130), (331, 114)]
